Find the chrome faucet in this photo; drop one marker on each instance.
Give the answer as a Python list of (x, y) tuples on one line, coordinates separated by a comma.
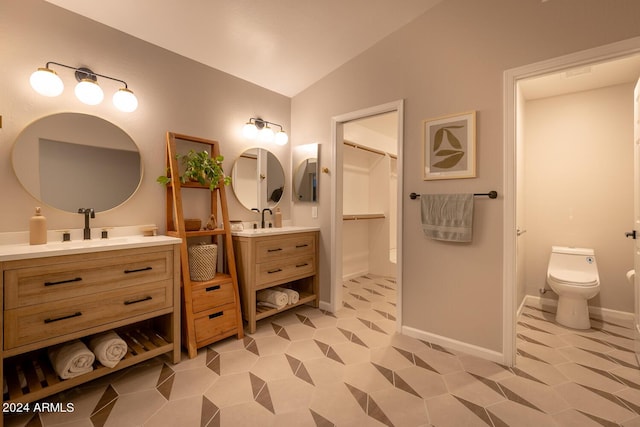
[(88, 212), (262, 213)]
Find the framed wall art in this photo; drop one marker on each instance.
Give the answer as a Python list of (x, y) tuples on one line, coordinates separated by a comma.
[(449, 146)]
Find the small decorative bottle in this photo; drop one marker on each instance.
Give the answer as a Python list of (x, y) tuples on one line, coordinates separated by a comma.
[(38, 229), (277, 218)]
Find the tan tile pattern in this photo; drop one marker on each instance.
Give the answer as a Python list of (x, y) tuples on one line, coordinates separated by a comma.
[(314, 368)]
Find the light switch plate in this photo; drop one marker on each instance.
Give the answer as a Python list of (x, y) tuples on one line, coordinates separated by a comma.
[(314, 212)]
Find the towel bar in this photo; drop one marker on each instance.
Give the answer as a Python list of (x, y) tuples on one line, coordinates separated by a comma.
[(490, 194)]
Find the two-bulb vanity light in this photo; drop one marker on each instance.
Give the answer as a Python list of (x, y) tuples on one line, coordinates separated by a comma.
[(258, 128), (46, 82)]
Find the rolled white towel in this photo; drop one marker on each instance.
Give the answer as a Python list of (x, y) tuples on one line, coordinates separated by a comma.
[(277, 298), (293, 296), (109, 348), (71, 359)]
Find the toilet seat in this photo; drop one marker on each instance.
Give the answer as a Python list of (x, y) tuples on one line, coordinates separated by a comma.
[(573, 278)]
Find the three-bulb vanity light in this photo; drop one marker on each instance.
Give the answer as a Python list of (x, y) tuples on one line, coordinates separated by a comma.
[(46, 82), (258, 128)]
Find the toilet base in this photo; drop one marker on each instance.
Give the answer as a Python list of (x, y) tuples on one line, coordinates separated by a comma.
[(573, 313)]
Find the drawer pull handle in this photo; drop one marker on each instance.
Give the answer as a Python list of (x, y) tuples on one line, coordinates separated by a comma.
[(274, 250), (137, 270), (69, 316), (212, 288), (135, 301), (302, 265), (214, 315), (277, 270), (302, 246), (75, 279)]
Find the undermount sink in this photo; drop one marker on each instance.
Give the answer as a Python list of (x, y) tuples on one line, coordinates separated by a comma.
[(273, 230), (92, 243)]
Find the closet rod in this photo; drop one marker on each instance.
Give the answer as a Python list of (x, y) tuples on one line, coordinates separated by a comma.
[(490, 194), (362, 147)]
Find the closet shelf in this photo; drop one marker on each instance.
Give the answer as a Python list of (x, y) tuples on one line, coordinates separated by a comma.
[(356, 217)]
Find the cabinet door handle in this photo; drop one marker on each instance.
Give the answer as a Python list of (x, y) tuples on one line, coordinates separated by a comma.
[(135, 301), (214, 315), (212, 288), (137, 270), (302, 246), (57, 319), (277, 270), (274, 250), (60, 282), (302, 265)]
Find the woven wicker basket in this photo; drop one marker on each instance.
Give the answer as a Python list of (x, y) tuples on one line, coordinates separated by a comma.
[(202, 262)]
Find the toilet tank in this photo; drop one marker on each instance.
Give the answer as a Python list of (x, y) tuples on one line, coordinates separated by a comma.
[(573, 264), (572, 251)]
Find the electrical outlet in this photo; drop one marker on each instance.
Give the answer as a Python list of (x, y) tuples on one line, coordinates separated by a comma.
[(314, 212)]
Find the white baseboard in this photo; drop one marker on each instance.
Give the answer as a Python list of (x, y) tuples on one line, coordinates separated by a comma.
[(595, 312), (354, 275), (445, 342), (326, 306)]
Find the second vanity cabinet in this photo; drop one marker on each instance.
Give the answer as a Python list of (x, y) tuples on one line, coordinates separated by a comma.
[(51, 299), (276, 258)]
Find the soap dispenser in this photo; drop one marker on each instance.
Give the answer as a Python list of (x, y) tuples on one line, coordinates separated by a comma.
[(277, 218), (38, 229)]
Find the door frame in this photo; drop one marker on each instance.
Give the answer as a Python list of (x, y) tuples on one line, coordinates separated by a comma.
[(511, 79), (337, 123)]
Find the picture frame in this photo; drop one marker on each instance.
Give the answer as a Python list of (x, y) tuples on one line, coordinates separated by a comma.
[(449, 146)]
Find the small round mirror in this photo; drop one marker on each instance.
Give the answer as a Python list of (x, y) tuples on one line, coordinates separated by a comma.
[(257, 179), (73, 160)]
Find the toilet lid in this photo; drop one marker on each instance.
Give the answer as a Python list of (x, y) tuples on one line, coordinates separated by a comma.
[(576, 278)]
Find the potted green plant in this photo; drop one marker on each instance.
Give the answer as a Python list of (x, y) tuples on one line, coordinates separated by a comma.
[(201, 167)]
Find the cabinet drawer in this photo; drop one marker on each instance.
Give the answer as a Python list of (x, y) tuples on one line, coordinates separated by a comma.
[(284, 270), (212, 294), (213, 323), (271, 249), (38, 322), (60, 282)]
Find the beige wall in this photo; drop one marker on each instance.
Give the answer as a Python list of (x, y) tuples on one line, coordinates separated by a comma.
[(579, 186), (449, 60), (175, 94), (452, 60)]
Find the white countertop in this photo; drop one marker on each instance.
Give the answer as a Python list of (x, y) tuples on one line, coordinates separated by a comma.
[(16, 251), (260, 232)]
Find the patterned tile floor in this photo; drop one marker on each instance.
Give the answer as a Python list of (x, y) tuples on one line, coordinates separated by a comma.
[(312, 368)]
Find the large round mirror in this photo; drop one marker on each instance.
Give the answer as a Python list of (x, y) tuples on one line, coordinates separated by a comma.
[(73, 160), (257, 179)]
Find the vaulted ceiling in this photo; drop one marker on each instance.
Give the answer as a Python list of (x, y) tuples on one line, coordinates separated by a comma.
[(282, 45)]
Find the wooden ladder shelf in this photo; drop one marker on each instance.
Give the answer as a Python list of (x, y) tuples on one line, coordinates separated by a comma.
[(210, 309)]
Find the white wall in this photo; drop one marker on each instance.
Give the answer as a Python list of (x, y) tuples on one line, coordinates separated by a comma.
[(175, 94), (579, 186)]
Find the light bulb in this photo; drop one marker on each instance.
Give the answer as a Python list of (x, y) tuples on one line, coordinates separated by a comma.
[(46, 82), (250, 130), (88, 92), (125, 100), (282, 138), (266, 134)]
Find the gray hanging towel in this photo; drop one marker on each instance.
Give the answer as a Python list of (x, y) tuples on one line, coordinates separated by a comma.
[(447, 217)]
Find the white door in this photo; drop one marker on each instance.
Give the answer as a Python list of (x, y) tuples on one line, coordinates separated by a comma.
[(636, 214)]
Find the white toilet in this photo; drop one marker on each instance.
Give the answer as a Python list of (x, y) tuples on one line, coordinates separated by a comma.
[(573, 275)]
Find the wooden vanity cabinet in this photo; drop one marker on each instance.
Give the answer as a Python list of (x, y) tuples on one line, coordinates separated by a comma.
[(268, 260), (50, 300)]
